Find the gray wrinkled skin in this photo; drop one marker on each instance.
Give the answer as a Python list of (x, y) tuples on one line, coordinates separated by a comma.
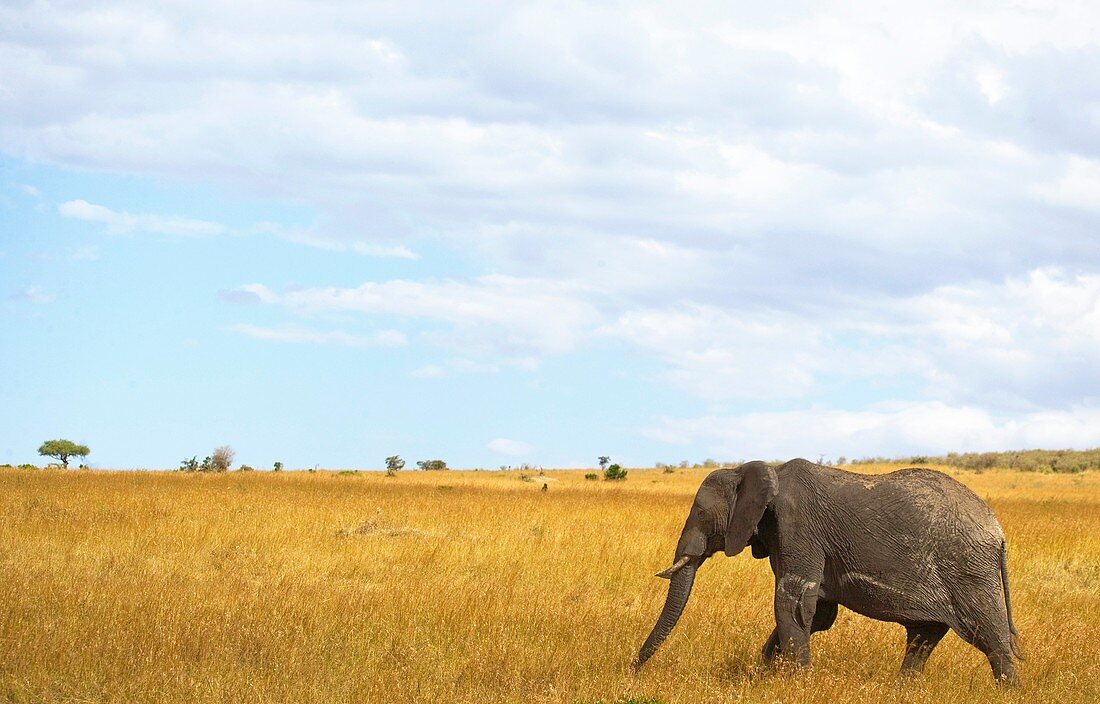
[(913, 547)]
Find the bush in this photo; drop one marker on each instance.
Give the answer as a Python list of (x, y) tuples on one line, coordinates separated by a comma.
[(432, 465), (278, 466), (245, 468), (189, 465), (614, 473), (592, 476), (222, 458), (28, 466)]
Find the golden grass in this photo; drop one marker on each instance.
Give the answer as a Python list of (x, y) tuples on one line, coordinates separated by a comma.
[(467, 587)]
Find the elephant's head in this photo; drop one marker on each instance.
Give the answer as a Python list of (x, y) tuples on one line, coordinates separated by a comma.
[(727, 508)]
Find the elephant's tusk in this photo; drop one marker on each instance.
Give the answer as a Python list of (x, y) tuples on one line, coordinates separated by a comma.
[(667, 573)]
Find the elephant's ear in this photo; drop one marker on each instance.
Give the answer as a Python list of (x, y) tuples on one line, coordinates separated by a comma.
[(758, 486)]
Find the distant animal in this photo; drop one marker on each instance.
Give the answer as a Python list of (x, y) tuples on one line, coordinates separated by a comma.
[(545, 486), (913, 547)]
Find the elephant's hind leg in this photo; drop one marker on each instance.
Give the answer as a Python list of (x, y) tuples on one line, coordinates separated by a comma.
[(985, 626), (920, 640)]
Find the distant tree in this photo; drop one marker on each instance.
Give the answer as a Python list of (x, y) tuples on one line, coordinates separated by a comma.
[(614, 473), (432, 465), (604, 459), (394, 463), (62, 450), (222, 458), (245, 468), (191, 465), (278, 466)]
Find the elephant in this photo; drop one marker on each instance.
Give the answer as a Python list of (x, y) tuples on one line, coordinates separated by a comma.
[(913, 547)]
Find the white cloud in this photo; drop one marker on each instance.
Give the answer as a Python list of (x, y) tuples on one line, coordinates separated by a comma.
[(249, 293), (430, 371), (770, 204), (513, 448), (881, 430), (119, 222), (381, 338), (717, 354), (1078, 185), (709, 130), (33, 294), (1027, 342), (507, 315)]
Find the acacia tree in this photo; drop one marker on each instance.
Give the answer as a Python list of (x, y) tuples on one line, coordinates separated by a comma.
[(62, 450), (394, 463), (432, 465)]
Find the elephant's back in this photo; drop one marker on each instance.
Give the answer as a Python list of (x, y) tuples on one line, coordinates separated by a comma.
[(948, 504)]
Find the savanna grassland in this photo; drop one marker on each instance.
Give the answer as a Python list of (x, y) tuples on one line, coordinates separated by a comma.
[(469, 587)]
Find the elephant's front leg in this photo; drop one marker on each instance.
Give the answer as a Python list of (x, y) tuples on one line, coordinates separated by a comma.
[(824, 617), (795, 606)]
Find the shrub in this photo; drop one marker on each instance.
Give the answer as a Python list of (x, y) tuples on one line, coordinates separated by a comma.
[(278, 466), (28, 466), (432, 465), (245, 468), (524, 477), (222, 458), (592, 476), (191, 465), (614, 473)]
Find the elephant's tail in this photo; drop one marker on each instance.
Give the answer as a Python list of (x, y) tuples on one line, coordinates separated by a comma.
[(1013, 634)]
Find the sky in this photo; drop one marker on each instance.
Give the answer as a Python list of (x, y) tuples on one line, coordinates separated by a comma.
[(522, 232)]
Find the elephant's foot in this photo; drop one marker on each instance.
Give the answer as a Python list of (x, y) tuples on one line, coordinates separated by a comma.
[(1004, 670), (771, 649)]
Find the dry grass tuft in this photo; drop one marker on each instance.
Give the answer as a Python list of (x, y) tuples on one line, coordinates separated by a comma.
[(467, 587)]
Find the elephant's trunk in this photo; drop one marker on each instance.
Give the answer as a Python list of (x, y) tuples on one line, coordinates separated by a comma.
[(679, 589)]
